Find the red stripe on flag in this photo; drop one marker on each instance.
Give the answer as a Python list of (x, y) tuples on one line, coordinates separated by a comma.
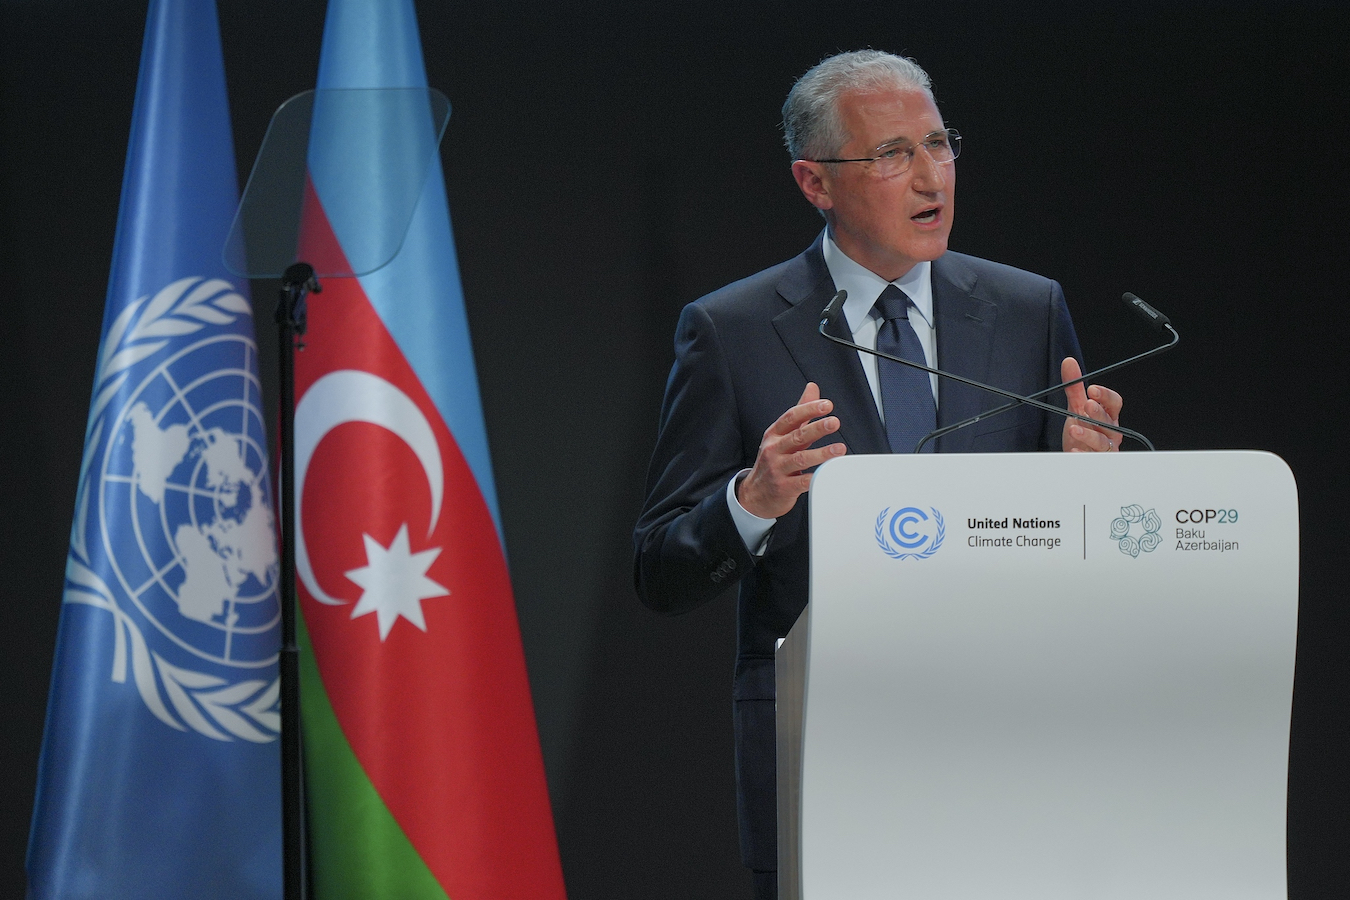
[(441, 720)]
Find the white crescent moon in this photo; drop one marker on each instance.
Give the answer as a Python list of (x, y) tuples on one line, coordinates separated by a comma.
[(350, 395)]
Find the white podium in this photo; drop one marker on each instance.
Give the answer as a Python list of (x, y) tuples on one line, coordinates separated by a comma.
[(1041, 676)]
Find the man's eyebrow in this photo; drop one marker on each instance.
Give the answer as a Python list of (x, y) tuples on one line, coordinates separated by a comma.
[(905, 140)]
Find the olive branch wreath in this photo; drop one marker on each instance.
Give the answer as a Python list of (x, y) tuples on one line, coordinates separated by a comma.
[(890, 551)]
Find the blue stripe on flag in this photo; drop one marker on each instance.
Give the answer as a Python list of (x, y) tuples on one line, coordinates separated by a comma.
[(418, 295)]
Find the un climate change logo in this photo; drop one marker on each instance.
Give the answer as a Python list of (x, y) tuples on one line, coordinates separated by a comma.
[(174, 532), (1149, 524), (915, 534)]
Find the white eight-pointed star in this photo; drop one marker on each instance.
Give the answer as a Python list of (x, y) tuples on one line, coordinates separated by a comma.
[(395, 582)]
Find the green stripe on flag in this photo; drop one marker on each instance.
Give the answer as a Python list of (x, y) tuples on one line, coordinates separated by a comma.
[(357, 848)]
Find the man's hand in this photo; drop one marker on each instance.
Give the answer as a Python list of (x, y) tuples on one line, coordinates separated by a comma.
[(1097, 402), (777, 479)]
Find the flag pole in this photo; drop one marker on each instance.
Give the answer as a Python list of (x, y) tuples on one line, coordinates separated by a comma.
[(296, 284)]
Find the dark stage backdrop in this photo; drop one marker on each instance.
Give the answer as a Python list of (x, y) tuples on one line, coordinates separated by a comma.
[(607, 163)]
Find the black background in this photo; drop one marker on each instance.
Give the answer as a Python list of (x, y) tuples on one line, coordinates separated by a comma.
[(606, 163)]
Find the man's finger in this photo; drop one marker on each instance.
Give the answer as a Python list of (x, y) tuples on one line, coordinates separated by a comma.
[(808, 459), (810, 432), (1086, 437), (1110, 401), (1077, 394), (809, 407), (793, 453), (1094, 410)]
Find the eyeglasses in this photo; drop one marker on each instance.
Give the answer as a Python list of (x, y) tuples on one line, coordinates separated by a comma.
[(896, 157)]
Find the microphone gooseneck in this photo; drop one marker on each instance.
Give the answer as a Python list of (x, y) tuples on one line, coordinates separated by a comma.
[(831, 313), (1159, 322)]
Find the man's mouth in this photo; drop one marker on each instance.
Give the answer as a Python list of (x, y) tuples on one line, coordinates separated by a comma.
[(926, 217)]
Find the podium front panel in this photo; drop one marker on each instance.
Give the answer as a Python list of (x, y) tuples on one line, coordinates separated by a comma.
[(1048, 676)]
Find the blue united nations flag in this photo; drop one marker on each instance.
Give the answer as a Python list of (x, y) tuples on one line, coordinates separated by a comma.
[(160, 762)]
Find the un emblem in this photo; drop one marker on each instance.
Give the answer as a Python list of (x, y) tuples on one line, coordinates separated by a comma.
[(910, 533), (174, 533)]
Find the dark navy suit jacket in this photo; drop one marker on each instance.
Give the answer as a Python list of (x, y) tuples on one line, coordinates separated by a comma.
[(743, 356)]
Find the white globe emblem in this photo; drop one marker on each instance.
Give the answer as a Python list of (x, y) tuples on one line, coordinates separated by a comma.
[(186, 471), (174, 533)]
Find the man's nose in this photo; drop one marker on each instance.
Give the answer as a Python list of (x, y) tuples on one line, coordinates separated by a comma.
[(928, 174)]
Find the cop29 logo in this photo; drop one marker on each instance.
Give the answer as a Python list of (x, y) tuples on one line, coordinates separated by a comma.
[(1123, 527), (909, 532)]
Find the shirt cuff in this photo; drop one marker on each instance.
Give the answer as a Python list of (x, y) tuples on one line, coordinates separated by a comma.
[(753, 530)]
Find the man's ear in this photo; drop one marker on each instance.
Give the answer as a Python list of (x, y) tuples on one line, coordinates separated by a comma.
[(814, 183)]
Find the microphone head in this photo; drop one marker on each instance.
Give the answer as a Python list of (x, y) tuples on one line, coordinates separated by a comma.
[(1150, 315), (832, 309)]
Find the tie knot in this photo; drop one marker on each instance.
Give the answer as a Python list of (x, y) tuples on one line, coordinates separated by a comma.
[(892, 304)]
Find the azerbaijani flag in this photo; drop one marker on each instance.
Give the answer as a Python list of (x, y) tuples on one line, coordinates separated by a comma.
[(424, 774), (160, 767)]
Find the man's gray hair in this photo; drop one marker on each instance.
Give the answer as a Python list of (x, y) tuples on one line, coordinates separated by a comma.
[(811, 124)]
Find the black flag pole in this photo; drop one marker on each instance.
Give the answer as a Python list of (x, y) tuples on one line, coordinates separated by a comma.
[(297, 284)]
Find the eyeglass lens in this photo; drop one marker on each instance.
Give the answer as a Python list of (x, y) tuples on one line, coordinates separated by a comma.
[(943, 147)]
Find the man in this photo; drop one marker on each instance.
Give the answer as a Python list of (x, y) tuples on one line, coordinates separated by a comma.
[(757, 399)]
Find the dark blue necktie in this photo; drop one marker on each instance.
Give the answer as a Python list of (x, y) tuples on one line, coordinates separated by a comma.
[(906, 393)]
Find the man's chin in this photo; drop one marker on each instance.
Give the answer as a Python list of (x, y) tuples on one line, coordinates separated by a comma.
[(931, 249)]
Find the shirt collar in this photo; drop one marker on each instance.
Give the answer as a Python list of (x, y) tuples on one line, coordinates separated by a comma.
[(864, 286)]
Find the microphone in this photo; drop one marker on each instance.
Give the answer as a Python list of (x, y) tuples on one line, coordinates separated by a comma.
[(831, 311), (831, 314), (1151, 315), (1159, 322)]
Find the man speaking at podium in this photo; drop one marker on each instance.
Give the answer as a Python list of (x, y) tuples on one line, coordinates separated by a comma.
[(757, 398)]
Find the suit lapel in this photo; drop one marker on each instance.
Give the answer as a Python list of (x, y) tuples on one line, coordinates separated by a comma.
[(965, 337), (807, 287)]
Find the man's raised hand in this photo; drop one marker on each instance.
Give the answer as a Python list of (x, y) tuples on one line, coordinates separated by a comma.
[(1096, 402), (779, 475)]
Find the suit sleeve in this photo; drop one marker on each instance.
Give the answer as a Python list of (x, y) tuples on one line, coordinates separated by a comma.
[(687, 548), (1061, 341)]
